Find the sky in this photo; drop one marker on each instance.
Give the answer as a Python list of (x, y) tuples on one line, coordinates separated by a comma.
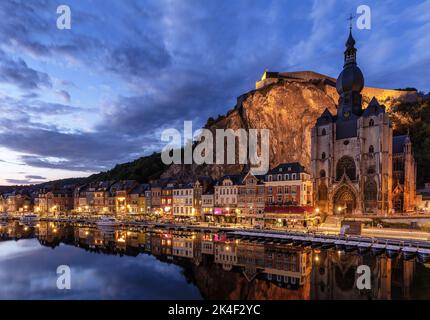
[(75, 102)]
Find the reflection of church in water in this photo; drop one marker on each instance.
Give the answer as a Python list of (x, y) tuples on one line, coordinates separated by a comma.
[(334, 277), (357, 164)]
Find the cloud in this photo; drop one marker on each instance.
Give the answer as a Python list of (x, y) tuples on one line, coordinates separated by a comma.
[(64, 95), (22, 181), (16, 71), (164, 63), (35, 177)]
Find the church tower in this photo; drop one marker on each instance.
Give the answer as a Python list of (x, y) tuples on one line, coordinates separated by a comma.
[(351, 151)]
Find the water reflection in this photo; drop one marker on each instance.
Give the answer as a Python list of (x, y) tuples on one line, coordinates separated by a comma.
[(167, 264)]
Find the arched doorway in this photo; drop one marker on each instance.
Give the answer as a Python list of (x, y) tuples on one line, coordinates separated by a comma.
[(344, 201)]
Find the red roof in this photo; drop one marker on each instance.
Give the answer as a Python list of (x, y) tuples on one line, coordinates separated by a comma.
[(290, 209)]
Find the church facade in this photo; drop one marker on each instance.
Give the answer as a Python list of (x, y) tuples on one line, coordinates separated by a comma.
[(357, 166)]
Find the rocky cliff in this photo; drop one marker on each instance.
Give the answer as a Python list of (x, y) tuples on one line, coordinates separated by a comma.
[(288, 104)]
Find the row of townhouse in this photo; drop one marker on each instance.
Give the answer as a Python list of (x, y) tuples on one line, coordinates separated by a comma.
[(16, 201), (245, 199)]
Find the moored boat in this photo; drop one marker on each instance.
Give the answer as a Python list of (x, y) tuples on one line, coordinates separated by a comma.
[(350, 246), (378, 249), (364, 247), (409, 253), (424, 255), (392, 251), (107, 222), (29, 217)]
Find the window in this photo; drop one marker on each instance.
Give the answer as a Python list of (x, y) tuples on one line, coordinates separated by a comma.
[(323, 155), (370, 190), (322, 173), (346, 165), (323, 132), (371, 123), (371, 149)]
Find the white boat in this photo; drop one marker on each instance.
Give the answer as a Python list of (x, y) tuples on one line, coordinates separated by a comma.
[(107, 222), (29, 217)]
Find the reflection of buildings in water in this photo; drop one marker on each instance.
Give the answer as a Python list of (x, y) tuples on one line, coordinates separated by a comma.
[(226, 254), (403, 274), (287, 265), (224, 269), (335, 276)]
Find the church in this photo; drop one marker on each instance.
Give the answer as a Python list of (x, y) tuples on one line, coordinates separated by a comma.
[(357, 166)]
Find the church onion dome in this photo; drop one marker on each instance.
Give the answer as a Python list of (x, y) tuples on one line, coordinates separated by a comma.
[(374, 108), (325, 118), (351, 78)]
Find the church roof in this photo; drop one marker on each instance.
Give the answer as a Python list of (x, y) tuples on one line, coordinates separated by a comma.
[(399, 143), (374, 108), (326, 117)]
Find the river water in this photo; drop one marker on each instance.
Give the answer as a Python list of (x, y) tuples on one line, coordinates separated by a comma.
[(111, 263)]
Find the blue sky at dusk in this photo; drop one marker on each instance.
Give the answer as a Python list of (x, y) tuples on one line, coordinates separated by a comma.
[(74, 102)]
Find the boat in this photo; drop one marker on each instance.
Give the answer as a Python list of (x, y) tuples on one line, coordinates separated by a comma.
[(378, 249), (350, 246), (409, 252), (364, 247), (340, 244), (393, 251), (29, 217), (424, 255), (327, 244), (107, 222)]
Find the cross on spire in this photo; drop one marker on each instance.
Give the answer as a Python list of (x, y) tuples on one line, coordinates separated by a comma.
[(351, 17)]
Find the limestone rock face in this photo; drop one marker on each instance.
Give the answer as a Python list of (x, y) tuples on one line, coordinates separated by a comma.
[(289, 109)]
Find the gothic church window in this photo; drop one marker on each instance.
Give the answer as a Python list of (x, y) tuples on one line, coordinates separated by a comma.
[(323, 155), (323, 132), (346, 165), (322, 192), (371, 149), (370, 190)]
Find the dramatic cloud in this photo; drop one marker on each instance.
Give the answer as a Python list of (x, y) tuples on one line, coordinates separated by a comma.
[(136, 67), (19, 73)]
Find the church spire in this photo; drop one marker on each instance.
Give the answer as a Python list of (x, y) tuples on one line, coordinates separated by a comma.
[(350, 51)]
